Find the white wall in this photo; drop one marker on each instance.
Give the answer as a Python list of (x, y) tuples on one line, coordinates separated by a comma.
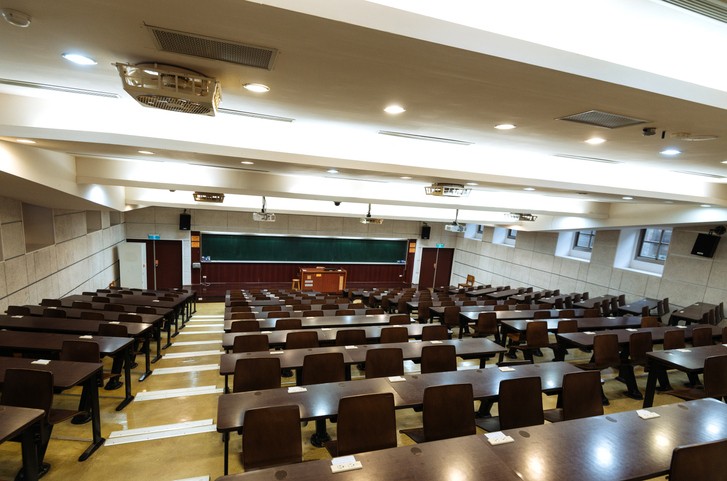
[(532, 262)]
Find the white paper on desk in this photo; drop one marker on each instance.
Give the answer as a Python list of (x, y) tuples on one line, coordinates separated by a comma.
[(396, 379), (113, 322), (436, 342), (631, 329), (506, 369), (325, 329), (85, 337), (498, 438), (266, 332), (684, 350), (351, 347), (344, 459), (276, 352), (41, 361), (646, 414), (589, 332), (17, 317), (51, 307), (681, 327), (294, 389)]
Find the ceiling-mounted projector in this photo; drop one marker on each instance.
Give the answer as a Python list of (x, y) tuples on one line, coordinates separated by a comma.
[(263, 216), (447, 190), (170, 88), (454, 227), (522, 217), (371, 220)]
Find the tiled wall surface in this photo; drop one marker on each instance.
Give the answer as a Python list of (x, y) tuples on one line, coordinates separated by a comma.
[(532, 262), (77, 261)]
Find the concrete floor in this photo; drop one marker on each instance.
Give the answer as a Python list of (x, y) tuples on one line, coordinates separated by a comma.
[(200, 455)]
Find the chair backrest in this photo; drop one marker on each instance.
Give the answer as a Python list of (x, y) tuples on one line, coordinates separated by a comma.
[(101, 299), (724, 335), (345, 312), (568, 325), (251, 343), (81, 305), (270, 308), (399, 319), (18, 311), (329, 307), (313, 313), (146, 310), (639, 344), (366, 423), (112, 330), (536, 334), (591, 313), (325, 367), (486, 324), (704, 461), (702, 336), (95, 315), (350, 337), (374, 310), (674, 339), (249, 325), (240, 309), (605, 350), (114, 307), (451, 316), (59, 313), (242, 315), (127, 317), (567, 313), (80, 351), (582, 395), (439, 358), (278, 314), (256, 373), (28, 388), (649, 321), (541, 315), (715, 376), (288, 324), (447, 411), (271, 437), (501, 307), (435, 332), (301, 339), (394, 334), (559, 303), (384, 362), (520, 403), (51, 303)]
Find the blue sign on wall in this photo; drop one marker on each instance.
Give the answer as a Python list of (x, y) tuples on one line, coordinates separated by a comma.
[(440, 245), (153, 236)]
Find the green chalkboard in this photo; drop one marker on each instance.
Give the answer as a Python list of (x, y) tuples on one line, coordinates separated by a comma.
[(263, 248)]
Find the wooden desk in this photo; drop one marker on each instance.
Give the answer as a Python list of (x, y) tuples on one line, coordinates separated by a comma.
[(16, 421), (481, 292), (34, 343), (689, 360), (470, 316), (327, 321), (636, 307), (692, 313), (584, 324), (66, 375), (593, 302), (470, 348), (188, 295), (137, 330), (322, 280), (503, 294), (326, 335)]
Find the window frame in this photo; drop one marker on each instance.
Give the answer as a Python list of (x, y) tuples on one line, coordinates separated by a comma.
[(642, 240), (590, 233), (511, 234)]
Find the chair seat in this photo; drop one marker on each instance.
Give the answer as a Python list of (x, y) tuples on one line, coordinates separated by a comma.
[(553, 415), (688, 394), (415, 434), (490, 424), (56, 416)]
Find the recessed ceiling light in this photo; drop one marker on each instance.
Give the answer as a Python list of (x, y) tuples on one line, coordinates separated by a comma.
[(16, 18), (79, 59), (394, 109), (724, 161), (671, 151), (247, 162), (668, 201), (472, 183), (257, 88), (25, 141), (529, 188), (505, 126), (704, 205), (146, 152), (332, 171), (405, 177), (595, 140), (627, 197)]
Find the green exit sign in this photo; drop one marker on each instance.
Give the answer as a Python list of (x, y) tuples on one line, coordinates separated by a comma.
[(440, 245)]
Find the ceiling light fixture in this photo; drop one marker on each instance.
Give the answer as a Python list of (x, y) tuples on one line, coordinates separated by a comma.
[(595, 141), (146, 152), (670, 151), (332, 171), (405, 177), (257, 88), (627, 197), (394, 109), (529, 189), (704, 205), (15, 18), (505, 126), (79, 59), (247, 162), (472, 183), (25, 141)]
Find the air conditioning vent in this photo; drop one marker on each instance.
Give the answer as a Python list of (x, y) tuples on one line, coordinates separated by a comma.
[(602, 119), (447, 190), (212, 197), (58, 88), (714, 9)]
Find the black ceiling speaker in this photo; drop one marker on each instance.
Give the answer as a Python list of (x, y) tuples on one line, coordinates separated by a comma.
[(705, 245), (185, 221), (426, 231)]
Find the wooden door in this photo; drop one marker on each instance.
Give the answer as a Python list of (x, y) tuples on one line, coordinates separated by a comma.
[(164, 263), (435, 268)]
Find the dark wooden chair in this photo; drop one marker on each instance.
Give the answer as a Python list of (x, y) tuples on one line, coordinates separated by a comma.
[(345, 312), (234, 309), (365, 423), (95, 315), (605, 355), (374, 311), (57, 313), (487, 326), (423, 311), (350, 337), (394, 334), (242, 315), (581, 397), (288, 324), (114, 377), (81, 305), (439, 358), (249, 325), (447, 413), (129, 317), (399, 319), (313, 313), (541, 315), (566, 313), (114, 307), (278, 314), (536, 337), (715, 381), (519, 404), (250, 343), (702, 336), (674, 339), (81, 351), (18, 311), (649, 321), (51, 303), (318, 369), (591, 313), (271, 436), (565, 326), (703, 461), (255, 374), (435, 332), (146, 310), (384, 362), (301, 339), (451, 316)]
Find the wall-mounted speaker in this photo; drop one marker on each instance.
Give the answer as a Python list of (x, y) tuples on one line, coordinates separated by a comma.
[(426, 231), (185, 221), (705, 245)]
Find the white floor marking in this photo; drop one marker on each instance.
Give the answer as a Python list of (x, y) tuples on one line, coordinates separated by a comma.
[(160, 432), (179, 355), (195, 343), (186, 333), (175, 370), (172, 393)]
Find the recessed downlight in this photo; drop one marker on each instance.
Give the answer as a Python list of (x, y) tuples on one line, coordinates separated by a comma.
[(332, 171), (247, 162), (79, 59), (627, 197), (145, 152), (505, 126), (25, 141), (472, 183), (595, 141), (705, 205), (394, 109), (405, 177), (671, 151), (257, 88), (724, 162), (529, 189)]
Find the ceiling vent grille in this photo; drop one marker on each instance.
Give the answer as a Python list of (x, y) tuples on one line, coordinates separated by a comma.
[(714, 9), (58, 88), (213, 48), (699, 174), (254, 115), (406, 135), (602, 119), (588, 159)]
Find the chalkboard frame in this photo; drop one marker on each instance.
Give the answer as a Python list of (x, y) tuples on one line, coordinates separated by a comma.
[(248, 248)]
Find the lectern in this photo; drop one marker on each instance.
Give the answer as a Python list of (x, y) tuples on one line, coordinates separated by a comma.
[(322, 279)]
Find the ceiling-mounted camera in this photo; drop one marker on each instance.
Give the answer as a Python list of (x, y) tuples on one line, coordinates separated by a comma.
[(648, 131), (336, 203)]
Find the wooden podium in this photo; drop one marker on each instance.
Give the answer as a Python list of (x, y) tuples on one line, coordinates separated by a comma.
[(322, 280)]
